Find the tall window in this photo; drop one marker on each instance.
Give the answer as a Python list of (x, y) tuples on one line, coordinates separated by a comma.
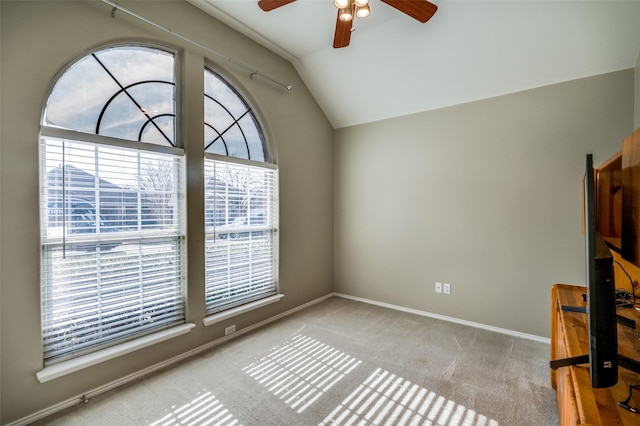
[(111, 210), (241, 188)]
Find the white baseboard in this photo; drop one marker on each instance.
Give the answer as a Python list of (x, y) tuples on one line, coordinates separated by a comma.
[(450, 319), (85, 361)]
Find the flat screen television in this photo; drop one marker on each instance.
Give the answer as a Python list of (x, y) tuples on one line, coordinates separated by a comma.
[(601, 298), (603, 356)]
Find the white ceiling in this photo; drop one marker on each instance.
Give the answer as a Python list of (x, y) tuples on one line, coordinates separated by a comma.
[(469, 50)]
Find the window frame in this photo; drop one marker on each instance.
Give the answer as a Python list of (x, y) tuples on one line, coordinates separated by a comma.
[(218, 313), (141, 337), (272, 229), (61, 367)]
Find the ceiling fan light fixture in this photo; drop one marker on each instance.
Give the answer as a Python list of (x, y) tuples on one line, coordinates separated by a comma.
[(362, 11), (420, 10), (346, 14)]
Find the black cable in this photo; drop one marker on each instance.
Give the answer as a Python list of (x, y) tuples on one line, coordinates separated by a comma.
[(625, 404), (633, 288)]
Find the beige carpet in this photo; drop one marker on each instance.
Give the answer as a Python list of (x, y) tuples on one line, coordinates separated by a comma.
[(342, 362)]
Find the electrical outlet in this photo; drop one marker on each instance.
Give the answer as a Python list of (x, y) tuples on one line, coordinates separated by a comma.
[(438, 287), (446, 288), (230, 329)]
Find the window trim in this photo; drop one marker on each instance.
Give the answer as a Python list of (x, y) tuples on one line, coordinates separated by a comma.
[(64, 368), (239, 310), (243, 161), (59, 132)]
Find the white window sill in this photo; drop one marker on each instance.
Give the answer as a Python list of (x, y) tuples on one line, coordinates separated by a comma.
[(67, 367), (221, 316)]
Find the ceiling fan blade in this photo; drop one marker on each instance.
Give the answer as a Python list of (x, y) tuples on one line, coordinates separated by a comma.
[(422, 10), (269, 5), (342, 36)]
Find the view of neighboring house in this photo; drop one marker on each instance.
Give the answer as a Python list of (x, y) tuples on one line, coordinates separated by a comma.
[(74, 190), (117, 207)]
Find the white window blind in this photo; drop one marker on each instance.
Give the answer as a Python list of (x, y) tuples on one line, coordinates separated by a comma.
[(112, 233), (241, 233)]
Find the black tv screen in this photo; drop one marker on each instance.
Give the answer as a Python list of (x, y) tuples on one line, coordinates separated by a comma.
[(601, 303)]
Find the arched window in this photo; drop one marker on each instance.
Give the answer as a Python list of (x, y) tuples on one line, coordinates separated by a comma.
[(241, 201), (230, 126), (112, 218)]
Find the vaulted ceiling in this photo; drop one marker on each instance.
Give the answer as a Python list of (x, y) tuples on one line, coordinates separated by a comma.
[(469, 50)]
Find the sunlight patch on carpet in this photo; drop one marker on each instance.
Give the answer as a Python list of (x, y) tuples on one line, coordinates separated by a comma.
[(386, 399), (205, 410), (301, 370)]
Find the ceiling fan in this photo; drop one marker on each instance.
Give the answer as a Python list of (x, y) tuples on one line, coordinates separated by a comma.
[(421, 10)]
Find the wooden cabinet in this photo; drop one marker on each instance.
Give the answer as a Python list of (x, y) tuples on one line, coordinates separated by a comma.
[(609, 199), (618, 199), (631, 198), (578, 403)]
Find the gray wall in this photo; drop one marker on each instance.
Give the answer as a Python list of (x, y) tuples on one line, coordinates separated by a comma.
[(485, 196), (38, 40)]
